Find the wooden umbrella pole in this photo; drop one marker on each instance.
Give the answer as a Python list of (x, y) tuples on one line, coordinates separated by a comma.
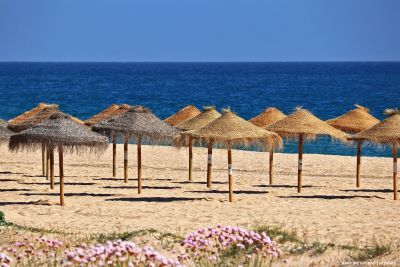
[(114, 156), (395, 171), (358, 181), (300, 167), (61, 163), (43, 160), (230, 171), (190, 158), (52, 168), (139, 162), (126, 160), (47, 163), (209, 164), (271, 162)]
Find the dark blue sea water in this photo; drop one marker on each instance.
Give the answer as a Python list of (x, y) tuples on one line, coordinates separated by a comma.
[(327, 89)]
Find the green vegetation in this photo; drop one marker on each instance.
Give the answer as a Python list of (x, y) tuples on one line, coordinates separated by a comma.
[(290, 242)]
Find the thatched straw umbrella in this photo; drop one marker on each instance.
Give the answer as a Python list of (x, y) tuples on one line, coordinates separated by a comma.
[(264, 119), (34, 117), (3, 123), (62, 133), (386, 132), (352, 122), (141, 124), (111, 111), (183, 115), (4, 134), (229, 130), (25, 116), (208, 115), (302, 124)]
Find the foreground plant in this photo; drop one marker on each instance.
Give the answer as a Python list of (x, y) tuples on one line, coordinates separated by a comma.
[(117, 253), (47, 252), (219, 246), (224, 243)]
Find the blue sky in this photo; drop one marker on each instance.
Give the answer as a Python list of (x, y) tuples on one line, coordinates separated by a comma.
[(199, 30)]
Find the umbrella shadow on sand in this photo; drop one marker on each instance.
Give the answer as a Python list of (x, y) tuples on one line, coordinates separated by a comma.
[(156, 199), (6, 172), (248, 192), (70, 194), (286, 186), (329, 197), (131, 179), (36, 203), (68, 183), (14, 189), (144, 187), (8, 180), (368, 190), (189, 182)]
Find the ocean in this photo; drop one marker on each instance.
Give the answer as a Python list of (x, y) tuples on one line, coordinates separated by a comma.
[(326, 89)]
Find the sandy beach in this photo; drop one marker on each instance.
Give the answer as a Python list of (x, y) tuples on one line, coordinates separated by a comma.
[(330, 208)]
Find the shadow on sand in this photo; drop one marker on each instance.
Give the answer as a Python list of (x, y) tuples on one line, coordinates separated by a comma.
[(143, 187), (189, 182), (36, 203), (329, 197), (285, 186), (131, 179), (368, 190), (14, 189), (70, 194), (56, 183), (8, 180), (249, 192), (155, 199)]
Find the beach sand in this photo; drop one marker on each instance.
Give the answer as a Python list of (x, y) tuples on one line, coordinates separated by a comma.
[(329, 209)]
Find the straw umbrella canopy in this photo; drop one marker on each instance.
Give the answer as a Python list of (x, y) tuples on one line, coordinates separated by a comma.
[(27, 114), (34, 117), (267, 117), (139, 123), (352, 122), (62, 133), (302, 124), (229, 130), (3, 123), (111, 111), (264, 119), (183, 115), (4, 134), (208, 115), (386, 132)]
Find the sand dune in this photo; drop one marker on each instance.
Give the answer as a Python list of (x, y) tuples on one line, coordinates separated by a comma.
[(330, 208)]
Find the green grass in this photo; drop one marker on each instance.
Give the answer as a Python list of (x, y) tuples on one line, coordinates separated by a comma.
[(371, 252), (291, 243)]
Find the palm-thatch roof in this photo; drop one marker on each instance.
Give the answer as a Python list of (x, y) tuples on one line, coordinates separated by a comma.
[(37, 118), (138, 122), (4, 134), (354, 121), (208, 115), (385, 132), (113, 110), (58, 130), (183, 115), (24, 116), (301, 121), (229, 130), (267, 117)]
